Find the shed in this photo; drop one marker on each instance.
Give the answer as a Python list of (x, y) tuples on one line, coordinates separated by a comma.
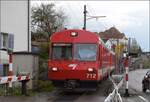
[(26, 62)]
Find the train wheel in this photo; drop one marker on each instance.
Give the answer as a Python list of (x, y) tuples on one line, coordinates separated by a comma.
[(144, 87), (144, 90)]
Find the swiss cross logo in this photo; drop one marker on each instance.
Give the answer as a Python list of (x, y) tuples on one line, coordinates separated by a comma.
[(73, 66)]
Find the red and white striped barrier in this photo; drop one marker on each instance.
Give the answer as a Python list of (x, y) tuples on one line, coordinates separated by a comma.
[(10, 69), (10, 79), (126, 64)]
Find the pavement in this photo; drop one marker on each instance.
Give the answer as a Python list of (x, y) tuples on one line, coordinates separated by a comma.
[(135, 87), (105, 87), (136, 77)]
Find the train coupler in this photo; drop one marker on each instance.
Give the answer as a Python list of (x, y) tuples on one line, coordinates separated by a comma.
[(71, 84)]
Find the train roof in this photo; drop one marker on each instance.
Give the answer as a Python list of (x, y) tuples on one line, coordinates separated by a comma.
[(81, 36)]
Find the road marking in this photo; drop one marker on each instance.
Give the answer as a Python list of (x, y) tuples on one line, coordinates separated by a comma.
[(143, 99)]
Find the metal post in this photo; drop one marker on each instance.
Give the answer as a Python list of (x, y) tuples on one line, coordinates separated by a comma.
[(10, 68), (129, 43), (24, 87), (116, 58), (84, 17), (28, 28), (126, 77)]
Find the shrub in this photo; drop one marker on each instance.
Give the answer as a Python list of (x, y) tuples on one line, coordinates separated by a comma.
[(44, 86)]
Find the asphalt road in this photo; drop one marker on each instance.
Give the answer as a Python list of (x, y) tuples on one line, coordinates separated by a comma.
[(135, 87), (105, 87)]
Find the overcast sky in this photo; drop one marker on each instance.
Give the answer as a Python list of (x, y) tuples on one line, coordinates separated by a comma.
[(130, 17)]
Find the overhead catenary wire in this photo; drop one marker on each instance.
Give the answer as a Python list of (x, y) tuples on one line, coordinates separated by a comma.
[(92, 14), (74, 14), (99, 23)]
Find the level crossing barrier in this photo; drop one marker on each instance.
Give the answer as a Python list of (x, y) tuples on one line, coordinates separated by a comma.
[(8, 79), (20, 78), (115, 96)]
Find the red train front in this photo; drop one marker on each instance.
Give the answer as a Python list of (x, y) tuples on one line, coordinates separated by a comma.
[(78, 59)]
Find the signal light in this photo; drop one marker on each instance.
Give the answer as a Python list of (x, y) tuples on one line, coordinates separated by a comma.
[(90, 69), (74, 34)]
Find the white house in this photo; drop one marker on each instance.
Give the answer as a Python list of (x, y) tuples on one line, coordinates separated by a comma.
[(15, 19)]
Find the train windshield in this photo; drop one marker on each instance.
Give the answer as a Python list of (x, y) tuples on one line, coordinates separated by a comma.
[(62, 51), (85, 52)]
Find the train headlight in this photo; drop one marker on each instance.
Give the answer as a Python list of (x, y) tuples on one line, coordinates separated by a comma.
[(54, 69), (90, 69), (74, 34), (146, 76)]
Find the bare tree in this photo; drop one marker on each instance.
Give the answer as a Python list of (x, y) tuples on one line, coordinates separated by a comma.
[(46, 20)]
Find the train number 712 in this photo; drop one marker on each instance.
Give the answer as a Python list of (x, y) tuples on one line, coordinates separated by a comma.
[(91, 75)]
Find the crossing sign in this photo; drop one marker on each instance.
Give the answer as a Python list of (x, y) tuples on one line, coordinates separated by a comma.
[(119, 48)]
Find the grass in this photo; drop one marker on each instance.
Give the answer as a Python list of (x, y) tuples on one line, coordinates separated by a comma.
[(146, 64), (15, 91), (44, 86)]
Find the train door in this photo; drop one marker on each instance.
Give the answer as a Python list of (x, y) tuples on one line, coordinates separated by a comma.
[(100, 62)]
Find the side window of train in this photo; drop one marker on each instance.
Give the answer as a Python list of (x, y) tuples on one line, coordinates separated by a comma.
[(102, 55), (99, 54)]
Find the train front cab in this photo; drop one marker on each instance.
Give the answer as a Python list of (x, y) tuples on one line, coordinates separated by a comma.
[(75, 62), (77, 72)]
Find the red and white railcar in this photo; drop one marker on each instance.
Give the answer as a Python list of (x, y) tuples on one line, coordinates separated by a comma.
[(78, 59)]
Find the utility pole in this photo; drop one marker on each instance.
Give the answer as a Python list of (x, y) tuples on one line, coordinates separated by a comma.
[(89, 17), (84, 17), (129, 45), (117, 57), (126, 64), (28, 28)]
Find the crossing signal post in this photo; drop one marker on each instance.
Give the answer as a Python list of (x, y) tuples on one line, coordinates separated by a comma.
[(10, 66), (126, 64), (7, 44)]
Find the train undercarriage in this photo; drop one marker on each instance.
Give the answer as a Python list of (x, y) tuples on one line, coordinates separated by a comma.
[(73, 84)]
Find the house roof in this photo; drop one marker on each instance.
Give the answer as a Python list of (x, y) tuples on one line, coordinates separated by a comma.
[(111, 33)]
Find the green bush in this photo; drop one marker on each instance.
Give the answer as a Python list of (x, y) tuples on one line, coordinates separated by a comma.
[(44, 50), (14, 91), (44, 86), (146, 64)]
